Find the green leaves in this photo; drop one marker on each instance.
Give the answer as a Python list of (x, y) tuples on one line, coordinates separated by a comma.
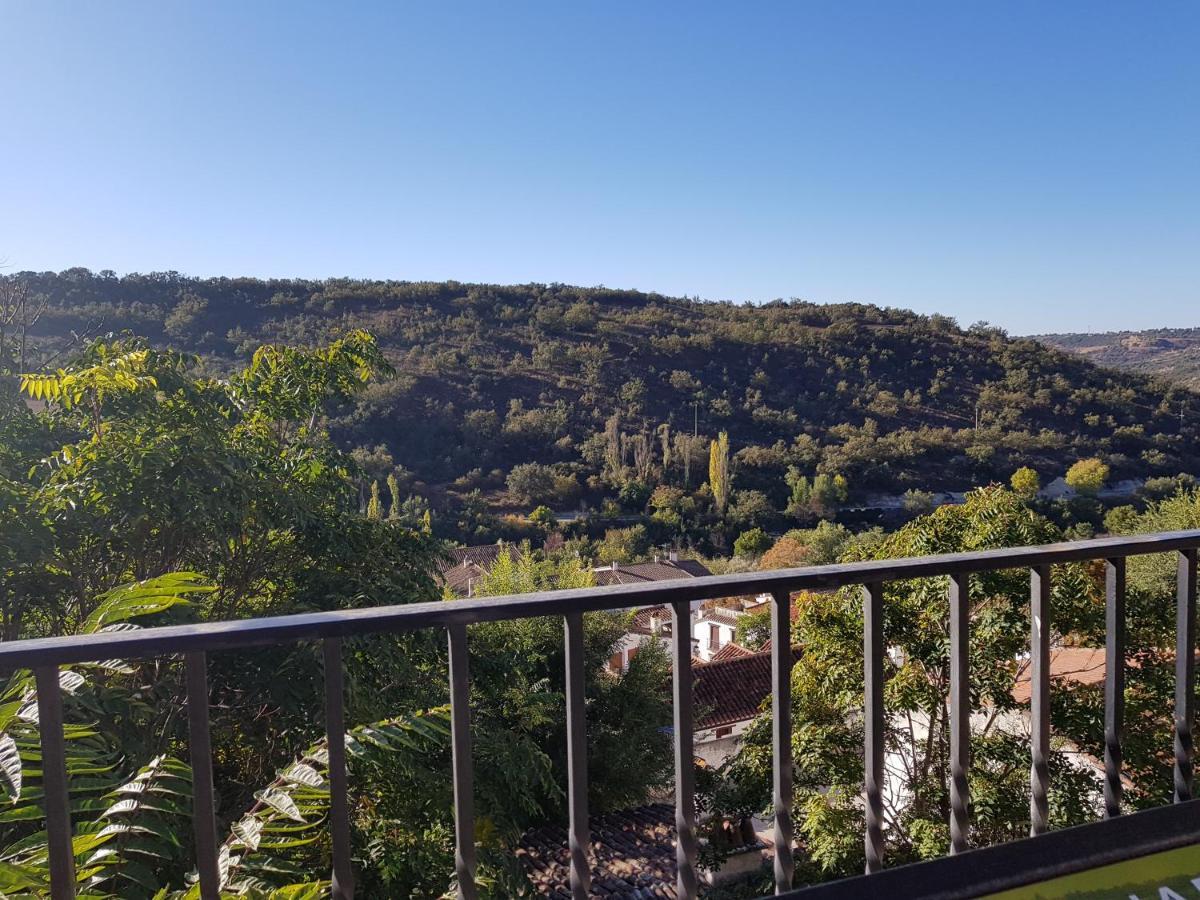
[(827, 692), (10, 764), (273, 841), (279, 801), (142, 822), (116, 370), (289, 384), (144, 598)]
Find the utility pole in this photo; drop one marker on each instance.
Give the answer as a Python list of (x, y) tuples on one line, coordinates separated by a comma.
[(696, 421)]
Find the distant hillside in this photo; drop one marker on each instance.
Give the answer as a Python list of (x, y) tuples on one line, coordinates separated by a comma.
[(494, 376), (1170, 352)]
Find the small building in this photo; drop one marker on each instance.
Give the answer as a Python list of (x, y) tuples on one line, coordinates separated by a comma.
[(714, 627), (666, 568), (468, 564), (728, 695), (654, 621)]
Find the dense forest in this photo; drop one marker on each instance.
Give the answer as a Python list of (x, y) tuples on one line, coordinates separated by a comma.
[(1172, 353), (507, 397)]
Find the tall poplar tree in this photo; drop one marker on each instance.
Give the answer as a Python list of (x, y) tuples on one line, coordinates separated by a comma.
[(719, 477)]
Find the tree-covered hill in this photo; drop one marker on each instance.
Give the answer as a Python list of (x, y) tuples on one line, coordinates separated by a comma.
[(595, 383), (1170, 352)]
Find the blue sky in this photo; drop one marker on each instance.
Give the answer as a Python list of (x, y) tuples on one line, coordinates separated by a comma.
[(1036, 165)]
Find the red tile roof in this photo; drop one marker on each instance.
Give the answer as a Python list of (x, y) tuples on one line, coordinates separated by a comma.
[(641, 619), (480, 555), (632, 853), (733, 690), (732, 650), (661, 570), (468, 564), (1078, 665), (1081, 665)]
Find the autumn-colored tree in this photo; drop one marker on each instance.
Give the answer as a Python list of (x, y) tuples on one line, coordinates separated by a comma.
[(393, 484), (374, 505), (1025, 482), (1087, 476), (689, 448), (786, 553), (543, 517), (719, 476)]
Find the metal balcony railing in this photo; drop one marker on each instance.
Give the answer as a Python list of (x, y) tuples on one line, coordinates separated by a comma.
[(195, 642)]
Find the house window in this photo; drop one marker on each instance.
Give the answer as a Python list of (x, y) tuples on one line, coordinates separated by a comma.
[(724, 731), (614, 662), (632, 652), (714, 637)]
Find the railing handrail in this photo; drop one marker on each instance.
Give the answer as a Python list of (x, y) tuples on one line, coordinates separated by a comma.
[(194, 642), (240, 633)]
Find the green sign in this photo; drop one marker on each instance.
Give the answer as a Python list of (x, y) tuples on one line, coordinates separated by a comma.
[(1170, 875)]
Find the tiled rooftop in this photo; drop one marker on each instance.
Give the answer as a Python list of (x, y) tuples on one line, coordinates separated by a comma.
[(469, 564), (1081, 665), (642, 618), (731, 650), (733, 690), (633, 855), (660, 570)]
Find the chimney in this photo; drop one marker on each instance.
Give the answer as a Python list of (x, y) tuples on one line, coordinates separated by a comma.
[(614, 565), (673, 555), (656, 557)]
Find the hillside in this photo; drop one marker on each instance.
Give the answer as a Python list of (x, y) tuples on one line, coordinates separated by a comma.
[(490, 377), (1168, 352)]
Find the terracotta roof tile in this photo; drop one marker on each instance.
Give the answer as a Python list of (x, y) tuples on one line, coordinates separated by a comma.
[(632, 853), (480, 555), (460, 578), (732, 650), (641, 623), (469, 564), (1081, 665), (662, 570), (693, 567), (733, 690)]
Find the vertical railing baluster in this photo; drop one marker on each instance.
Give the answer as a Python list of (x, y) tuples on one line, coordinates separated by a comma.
[(685, 765), (960, 712), (54, 782), (1039, 712), (461, 766), (781, 736), (1114, 682), (577, 782), (1185, 672), (873, 722), (204, 818), (339, 801)]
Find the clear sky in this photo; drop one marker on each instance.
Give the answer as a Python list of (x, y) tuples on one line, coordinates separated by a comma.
[(1033, 164)]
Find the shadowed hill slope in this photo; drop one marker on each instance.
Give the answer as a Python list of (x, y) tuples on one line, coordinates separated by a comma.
[(493, 376)]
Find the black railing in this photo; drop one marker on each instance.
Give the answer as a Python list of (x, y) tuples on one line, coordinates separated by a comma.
[(45, 655)]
